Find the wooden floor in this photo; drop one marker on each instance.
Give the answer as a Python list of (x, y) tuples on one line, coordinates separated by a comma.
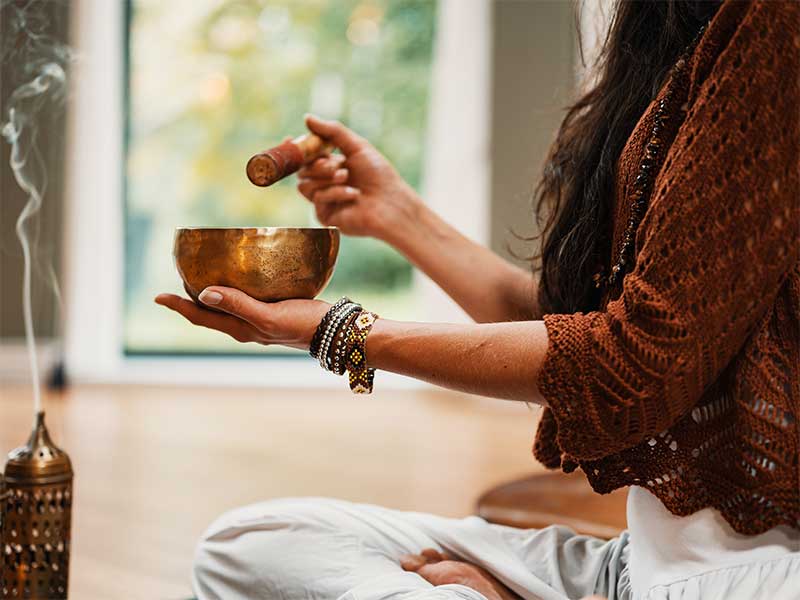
[(155, 465)]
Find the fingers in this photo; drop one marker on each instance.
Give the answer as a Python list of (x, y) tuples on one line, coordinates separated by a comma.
[(415, 562), (335, 205), (196, 315), (309, 187), (348, 141), (236, 303), (343, 216), (323, 172), (434, 555), (322, 168), (324, 213), (435, 574), (336, 193)]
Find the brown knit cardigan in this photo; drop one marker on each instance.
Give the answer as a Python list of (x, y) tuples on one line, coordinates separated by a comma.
[(687, 382)]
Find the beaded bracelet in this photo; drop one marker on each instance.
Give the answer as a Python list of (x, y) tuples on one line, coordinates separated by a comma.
[(316, 340), (361, 377), (315, 348), (338, 349), (333, 326), (326, 327)]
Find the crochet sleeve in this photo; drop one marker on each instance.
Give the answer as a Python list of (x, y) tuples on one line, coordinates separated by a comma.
[(718, 239)]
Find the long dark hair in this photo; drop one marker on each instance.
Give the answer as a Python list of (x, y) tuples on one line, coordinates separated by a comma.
[(574, 197)]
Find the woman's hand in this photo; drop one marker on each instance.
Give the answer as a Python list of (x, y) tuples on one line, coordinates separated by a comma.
[(289, 323), (358, 191)]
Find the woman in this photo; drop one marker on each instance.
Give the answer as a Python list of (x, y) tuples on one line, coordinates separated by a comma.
[(664, 341)]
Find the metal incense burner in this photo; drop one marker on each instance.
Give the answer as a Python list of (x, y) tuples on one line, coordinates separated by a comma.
[(36, 516)]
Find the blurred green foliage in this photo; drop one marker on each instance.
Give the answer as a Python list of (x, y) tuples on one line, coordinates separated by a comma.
[(211, 82)]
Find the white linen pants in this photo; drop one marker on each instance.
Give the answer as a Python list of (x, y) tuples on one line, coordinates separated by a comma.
[(323, 549)]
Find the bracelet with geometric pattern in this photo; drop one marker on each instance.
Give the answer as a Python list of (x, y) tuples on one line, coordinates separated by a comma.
[(361, 376)]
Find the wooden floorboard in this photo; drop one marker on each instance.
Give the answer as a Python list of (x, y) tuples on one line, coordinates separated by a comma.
[(155, 465)]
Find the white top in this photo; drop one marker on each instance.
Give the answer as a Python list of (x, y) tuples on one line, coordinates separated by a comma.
[(666, 548)]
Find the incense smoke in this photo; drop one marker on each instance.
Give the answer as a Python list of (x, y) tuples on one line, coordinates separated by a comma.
[(39, 84)]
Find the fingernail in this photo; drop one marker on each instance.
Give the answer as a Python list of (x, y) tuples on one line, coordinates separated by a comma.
[(340, 175), (210, 297)]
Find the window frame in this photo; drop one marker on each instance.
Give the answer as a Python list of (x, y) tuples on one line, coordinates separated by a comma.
[(94, 220)]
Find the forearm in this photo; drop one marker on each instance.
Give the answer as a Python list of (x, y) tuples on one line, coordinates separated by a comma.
[(487, 287), (499, 360)]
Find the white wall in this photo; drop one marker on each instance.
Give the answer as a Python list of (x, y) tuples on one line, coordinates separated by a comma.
[(457, 171)]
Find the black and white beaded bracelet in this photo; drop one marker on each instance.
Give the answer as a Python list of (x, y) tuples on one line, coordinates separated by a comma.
[(313, 349), (316, 341), (332, 328)]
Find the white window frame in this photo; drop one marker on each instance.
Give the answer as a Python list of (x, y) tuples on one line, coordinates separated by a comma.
[(94, 234)]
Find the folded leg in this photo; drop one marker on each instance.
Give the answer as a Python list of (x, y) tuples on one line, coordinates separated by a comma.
[(322, 549)]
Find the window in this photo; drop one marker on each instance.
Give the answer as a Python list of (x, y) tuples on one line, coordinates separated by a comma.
[(104, 341), (211, 82)]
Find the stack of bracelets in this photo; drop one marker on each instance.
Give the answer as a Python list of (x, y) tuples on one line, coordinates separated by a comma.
[(339, 344)]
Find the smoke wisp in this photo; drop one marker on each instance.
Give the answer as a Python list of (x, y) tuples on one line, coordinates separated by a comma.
[(38, 75)]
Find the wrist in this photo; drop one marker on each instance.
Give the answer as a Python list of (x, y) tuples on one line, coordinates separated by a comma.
[(378, 341), (410, 231), (298, 333), (398, 218)]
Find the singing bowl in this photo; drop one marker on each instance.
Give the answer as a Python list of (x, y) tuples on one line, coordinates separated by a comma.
[(267, 263)]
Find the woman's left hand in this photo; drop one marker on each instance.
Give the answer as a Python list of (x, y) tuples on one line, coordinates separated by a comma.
[(288, 323)]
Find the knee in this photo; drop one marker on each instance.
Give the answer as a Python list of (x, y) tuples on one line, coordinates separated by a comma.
[(235, 549), (218, 567), (243, 547)]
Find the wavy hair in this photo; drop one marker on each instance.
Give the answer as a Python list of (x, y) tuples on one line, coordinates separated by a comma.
[(573, 200)]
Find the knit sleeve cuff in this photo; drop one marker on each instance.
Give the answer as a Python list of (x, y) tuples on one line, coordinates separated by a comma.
[(562, 383)]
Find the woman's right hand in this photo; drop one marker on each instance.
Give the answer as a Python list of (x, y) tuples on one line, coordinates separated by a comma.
[(358, 191), (361, 193)]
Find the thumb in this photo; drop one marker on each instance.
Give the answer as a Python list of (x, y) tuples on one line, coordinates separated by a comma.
[(347, 140), (234, 302)]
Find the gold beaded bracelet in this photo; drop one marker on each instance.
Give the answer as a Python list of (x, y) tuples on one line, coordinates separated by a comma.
[(361, 376)]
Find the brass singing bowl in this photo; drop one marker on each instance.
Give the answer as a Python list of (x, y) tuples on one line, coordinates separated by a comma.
[(267, 263)]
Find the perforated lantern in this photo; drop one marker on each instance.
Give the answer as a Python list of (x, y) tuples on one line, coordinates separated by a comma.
[(37, 510)]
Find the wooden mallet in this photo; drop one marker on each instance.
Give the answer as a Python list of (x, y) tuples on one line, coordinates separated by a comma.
[(269, 166)]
